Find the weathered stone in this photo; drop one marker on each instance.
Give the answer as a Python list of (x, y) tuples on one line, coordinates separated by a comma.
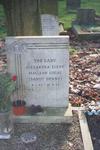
[(49, 25), (41, 65)]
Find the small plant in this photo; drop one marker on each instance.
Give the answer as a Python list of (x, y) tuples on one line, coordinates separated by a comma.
[(7, 86)]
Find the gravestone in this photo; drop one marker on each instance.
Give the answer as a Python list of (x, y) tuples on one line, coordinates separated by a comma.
[(73, 4), (49, 17), (50, 25), (41, 64), (86, 16)]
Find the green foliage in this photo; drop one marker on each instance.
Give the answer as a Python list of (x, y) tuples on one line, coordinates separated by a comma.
[(7, 86)]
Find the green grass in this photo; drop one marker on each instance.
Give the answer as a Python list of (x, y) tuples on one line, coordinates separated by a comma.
[(67, 17), (94, 4)]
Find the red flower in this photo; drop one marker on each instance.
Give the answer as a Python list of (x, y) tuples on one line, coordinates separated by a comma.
[(14, 77)]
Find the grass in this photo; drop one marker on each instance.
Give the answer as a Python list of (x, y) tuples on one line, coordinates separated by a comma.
[(67, 17), (94, 4)]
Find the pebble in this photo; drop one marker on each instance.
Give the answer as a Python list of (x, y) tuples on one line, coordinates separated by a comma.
[(96, 86)]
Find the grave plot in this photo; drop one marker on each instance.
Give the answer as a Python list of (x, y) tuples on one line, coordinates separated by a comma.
[(41, 64), (46, 136), (86, 25)]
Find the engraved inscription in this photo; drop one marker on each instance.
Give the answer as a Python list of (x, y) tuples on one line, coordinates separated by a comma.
[(44, 71)]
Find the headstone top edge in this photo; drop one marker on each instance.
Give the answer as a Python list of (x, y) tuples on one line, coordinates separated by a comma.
[(37, 37)]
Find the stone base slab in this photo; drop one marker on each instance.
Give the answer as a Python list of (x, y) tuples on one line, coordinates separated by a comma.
[(84, 34), (50, 115)]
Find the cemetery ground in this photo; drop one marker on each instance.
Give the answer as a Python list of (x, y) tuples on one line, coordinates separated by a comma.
[(84, 75), (84, 96)]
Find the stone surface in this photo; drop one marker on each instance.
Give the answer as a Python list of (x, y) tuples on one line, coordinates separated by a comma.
[(84, 32), (50, 25), (85, 131), (50, 115), (42, 68)]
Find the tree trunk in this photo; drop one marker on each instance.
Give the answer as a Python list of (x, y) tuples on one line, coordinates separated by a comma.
[(22, 17)]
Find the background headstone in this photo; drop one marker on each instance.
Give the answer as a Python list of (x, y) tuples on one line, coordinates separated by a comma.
[(49, 17), (86, 16), (49, 25), (42, 68), (73, 4)]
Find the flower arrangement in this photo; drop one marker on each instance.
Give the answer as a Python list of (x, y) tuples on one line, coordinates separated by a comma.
[(7, 86), (93, 108)]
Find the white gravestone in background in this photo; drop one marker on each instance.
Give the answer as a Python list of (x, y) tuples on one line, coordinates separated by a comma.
[(50, 25), (41, 64)]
